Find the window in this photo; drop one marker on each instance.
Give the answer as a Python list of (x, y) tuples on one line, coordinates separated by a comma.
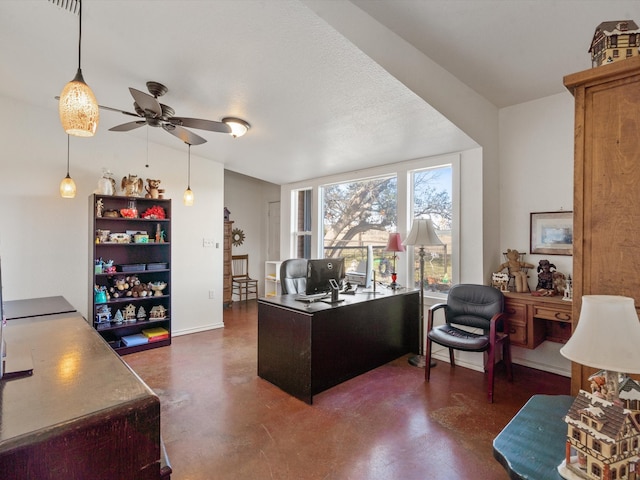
[(431, 190), (302, 222), (576, 434), (596, 446), (595, 470), (357, 214)]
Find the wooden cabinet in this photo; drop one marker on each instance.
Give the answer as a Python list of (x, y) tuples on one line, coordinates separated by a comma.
[(142, 265), (606, 204), (532, 320), (226, 267)]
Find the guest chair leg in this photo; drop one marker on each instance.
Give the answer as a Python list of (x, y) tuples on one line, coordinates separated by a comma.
[(490, 369), (427, 367), (452, 358)]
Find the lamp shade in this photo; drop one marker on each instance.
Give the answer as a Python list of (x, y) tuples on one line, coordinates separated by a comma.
[(78, 108), (422, 233), (607, 336), (394, 244), (238, 126)]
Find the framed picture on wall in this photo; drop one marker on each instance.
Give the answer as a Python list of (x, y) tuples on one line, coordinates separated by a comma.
[(552, 233)]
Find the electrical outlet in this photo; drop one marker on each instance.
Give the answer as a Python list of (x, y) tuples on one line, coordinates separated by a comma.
[(211, 295), (208, 242)]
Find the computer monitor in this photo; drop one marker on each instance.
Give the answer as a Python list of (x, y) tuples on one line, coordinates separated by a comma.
[(363, 274), (320, 271)]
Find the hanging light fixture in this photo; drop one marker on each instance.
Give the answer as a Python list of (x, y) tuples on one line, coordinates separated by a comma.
[(238, 126), (78, 106), (67, 185), (188, 193)]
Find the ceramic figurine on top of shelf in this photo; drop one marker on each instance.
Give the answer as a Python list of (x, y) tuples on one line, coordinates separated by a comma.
[(118, 318), (227, 214), (153, 189), (99, 208), (106, 183), (568, 290), (131, 186), (130, 313), (614, 40), (158, 287), (142, 314), (517, 269)]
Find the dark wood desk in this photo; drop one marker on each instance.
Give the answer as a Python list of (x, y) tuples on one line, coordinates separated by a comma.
[(36, 307), (533, 443), (82, 414), (307, 348)]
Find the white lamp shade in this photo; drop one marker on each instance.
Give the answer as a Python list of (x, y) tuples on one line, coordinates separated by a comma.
[(422, 233), (607, 336)]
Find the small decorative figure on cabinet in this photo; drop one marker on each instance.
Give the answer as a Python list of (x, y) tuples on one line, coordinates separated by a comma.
[(158, 312), (99, 208), (118, 318), (132, 186), (500, 281), (545, 277), (130, 313), (568, 290), (106, 183), (153, 189), (227, 214), (142, 314), (517, 269)]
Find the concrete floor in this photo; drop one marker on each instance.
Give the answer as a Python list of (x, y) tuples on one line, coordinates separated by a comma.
[(221, 421)]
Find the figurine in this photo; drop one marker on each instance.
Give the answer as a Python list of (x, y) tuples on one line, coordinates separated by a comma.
[(153, 189), (545, 275), (132, 186), (515, 268), (106, 184)]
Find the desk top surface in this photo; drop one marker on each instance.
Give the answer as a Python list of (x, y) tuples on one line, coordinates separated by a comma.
[(289, 301), (532, 445), (35, 307), (75, 375)]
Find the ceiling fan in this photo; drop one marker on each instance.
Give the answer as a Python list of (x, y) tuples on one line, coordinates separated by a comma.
[(155, 114)]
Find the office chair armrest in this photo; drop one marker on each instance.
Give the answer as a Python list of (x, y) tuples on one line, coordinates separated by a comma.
[(432, 310), (495, 323)]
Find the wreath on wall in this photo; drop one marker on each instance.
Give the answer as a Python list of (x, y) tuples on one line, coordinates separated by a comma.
[(237, 237)]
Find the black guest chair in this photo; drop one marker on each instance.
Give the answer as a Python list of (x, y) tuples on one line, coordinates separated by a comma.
[(480, 308), (293, 275)]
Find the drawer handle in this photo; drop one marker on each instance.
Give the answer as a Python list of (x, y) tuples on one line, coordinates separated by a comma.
[(563, 316)]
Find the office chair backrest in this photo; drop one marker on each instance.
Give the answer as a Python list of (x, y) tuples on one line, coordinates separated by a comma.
[(293, 275), (473, 305)]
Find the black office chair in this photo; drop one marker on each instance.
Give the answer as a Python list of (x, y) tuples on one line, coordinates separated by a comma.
[(293, 275), (479, 307)]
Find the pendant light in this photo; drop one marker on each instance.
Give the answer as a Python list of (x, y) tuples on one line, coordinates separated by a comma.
[(78, 106), (67, 185), (188, 194)]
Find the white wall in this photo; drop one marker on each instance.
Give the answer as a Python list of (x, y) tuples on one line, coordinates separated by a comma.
[(536, 175), (248, 200), (44, 239)]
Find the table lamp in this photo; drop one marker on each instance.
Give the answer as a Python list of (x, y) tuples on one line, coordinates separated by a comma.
[(607, 338), (424, 235), (394, 244)]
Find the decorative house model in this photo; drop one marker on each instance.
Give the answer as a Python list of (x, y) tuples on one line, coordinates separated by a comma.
[(130, 313), (158, 312), (615, 40), (606, 438)]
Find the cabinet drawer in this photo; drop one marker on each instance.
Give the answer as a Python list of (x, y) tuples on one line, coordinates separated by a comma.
[(551, 313), (516, 310), (517, 333)]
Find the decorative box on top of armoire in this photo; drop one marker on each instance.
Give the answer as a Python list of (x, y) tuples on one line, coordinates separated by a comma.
[(606, 203)]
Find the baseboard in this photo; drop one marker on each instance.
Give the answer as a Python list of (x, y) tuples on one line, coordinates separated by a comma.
[(204, 328)]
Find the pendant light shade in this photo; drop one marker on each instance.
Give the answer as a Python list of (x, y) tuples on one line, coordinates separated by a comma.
[(67, 185), (187, 198), (78, 106)]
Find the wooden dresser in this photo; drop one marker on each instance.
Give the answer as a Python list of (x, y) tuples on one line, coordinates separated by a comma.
[(226, 268), (533, 320), (606, 203)]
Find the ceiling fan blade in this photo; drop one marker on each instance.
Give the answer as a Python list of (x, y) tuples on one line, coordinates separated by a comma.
[(118, 111), (125, 127), (183, 134), (201, 124), (146, 102)]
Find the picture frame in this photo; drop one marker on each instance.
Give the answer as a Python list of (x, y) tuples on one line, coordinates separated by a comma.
[(551, 233)]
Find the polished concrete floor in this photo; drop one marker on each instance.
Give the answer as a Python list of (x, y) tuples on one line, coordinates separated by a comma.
[(221, 421)]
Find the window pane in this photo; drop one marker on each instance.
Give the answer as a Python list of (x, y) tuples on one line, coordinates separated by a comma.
[(357, 214), (303, 218), (431, 189)]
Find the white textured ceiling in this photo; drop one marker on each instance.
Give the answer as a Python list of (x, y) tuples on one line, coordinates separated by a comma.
[(317, 104)]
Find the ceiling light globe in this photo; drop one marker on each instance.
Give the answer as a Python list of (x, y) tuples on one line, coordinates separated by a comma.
[(238, 126), (78, 108), (67, 187)]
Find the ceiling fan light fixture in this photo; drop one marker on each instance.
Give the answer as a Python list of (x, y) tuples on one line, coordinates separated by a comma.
[(67, 185), (78, 106), (238, 126)]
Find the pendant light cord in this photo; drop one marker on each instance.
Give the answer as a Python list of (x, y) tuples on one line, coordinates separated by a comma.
[(79, 32), (68, 154), (189, 169)]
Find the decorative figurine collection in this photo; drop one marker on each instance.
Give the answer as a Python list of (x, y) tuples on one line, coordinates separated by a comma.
[(131, 186), (550, 281), (517, 269)]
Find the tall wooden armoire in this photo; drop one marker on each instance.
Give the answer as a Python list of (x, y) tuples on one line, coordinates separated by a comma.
[(606, 203), (226, 266)]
